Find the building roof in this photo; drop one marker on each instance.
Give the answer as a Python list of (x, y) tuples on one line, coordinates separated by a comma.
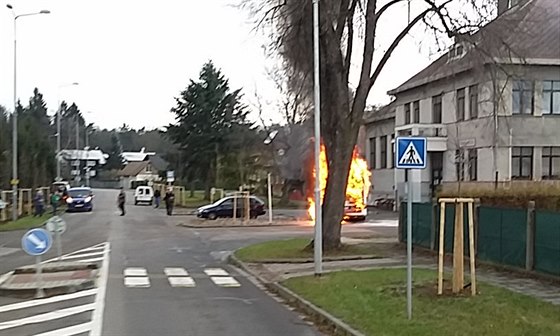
[(136, 156), (525, 34), (133, 168), (93, 155), (384, 113)]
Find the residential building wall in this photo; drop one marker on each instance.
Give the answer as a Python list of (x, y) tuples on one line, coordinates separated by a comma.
[(493, 146)]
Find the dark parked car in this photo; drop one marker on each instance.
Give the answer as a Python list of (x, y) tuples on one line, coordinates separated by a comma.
[(224, 208), (80, 199)]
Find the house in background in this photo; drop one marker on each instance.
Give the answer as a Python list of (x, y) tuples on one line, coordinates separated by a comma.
[(490, 113), (78, 163), (144, 172)]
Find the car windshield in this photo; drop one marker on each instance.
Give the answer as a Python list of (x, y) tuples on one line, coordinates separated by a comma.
[(79, 193)]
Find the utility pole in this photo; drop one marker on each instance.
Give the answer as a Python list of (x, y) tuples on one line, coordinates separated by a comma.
[(78, 156)]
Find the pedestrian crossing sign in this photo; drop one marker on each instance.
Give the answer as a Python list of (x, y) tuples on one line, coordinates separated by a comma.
[(411, 153)]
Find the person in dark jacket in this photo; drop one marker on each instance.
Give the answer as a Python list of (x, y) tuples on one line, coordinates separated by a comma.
[(39, 202), (169, 200), (121, 200), (157, 197)]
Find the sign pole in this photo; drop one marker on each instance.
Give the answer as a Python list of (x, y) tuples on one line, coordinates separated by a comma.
[(38, 267), (269, 200), (411, 154), (409, 245)]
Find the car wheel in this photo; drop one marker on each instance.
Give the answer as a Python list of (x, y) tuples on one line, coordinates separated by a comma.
[(212, 216), (135, 202)]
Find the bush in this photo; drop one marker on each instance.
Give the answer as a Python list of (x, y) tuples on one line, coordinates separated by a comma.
[(546, 196)]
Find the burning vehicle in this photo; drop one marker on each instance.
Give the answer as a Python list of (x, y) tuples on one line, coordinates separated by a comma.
[(357, 188)]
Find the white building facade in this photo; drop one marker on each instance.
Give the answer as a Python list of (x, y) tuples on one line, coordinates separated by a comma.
[(486, 120)]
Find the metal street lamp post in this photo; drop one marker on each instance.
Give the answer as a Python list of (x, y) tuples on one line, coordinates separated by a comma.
[(15, 181), (318, 242)]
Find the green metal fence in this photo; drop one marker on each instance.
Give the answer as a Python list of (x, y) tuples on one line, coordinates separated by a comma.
[(547, 242), (501, 234)]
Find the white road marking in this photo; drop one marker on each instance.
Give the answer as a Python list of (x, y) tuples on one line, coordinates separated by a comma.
[(39, 302), (216, 272), (5, 276), (181, 282), (97, 316), (141, 282), (85, 255), (88, 249), (57, 314), (69, 331), (175, 271), (91, 260), (135, 271), (225, 281)]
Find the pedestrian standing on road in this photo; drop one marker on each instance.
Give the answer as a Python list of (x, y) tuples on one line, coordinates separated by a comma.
[(55, 201), (157, 197), (39, 203), (169, 201), (121, 201)]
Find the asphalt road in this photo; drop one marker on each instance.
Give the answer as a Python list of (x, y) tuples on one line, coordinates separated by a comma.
[(159, 278)]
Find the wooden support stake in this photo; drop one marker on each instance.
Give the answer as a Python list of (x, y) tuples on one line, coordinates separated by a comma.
[(441, 247), (472, 251), (458, 250)]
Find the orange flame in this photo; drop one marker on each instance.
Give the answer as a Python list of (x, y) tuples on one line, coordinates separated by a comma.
[(357, 187)]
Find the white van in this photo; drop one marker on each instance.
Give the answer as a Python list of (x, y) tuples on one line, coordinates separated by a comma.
[(144, 194)]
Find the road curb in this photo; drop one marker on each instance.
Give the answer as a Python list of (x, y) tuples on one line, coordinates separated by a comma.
[(191, 226), (319, 315), (310, 260)]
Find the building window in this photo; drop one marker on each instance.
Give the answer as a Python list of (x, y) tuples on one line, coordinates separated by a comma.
[(383, 152), (460, 104), (407, 114), (473, 164), (551, 97), (416, 112), (522, 97), (522, 163), (460, 164), (372, 153), (436, 109), (551, 163), (473, 101)]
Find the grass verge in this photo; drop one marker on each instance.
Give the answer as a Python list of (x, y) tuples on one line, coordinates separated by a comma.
[(24, 223), (374, 302), (295, 249)]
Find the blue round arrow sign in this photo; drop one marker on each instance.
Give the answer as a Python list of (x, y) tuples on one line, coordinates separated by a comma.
[(36, 242)]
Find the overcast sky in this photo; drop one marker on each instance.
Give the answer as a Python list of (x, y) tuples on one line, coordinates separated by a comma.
[(132, 57)]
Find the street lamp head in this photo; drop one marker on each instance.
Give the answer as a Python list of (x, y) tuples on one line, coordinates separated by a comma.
[(45, 11), (9, 6)]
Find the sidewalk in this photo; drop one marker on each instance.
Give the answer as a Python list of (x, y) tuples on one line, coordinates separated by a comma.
[(542, 290)]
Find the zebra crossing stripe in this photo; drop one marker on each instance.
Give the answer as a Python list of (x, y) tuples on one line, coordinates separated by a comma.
[(216, 272), (225, 281), (138, 282), (181, 282), (135, 271), (175, 271)]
